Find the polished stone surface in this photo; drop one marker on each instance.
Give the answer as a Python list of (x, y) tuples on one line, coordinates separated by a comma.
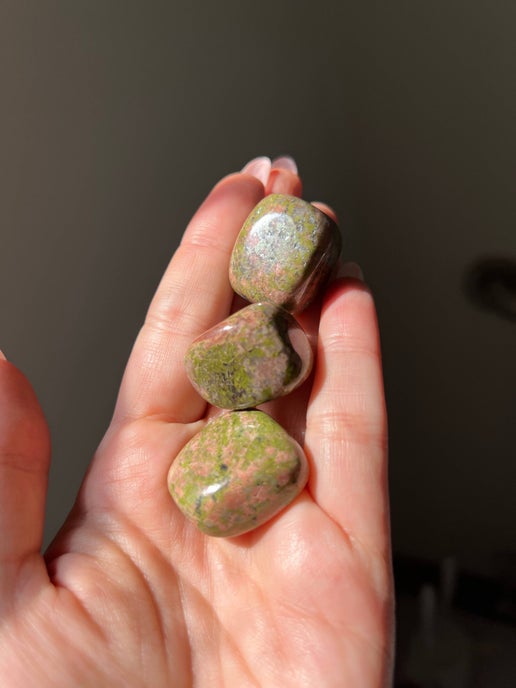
[(237, 473), (257, 354), (284, 253)]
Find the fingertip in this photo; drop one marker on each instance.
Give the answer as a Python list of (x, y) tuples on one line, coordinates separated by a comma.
[(285, 162), (283, 181), (247, 187), (326, 209), (348, 319), (351, 296), (259, 168), (23, 428), (236, 193), (239, 180)]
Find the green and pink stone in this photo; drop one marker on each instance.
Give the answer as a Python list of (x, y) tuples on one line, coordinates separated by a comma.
[(243, 468), (285, 253), (257, 354), (237, 473)]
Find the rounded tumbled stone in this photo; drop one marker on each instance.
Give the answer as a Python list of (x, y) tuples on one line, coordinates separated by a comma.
[(284, 253), (257, 354), (237, 473)]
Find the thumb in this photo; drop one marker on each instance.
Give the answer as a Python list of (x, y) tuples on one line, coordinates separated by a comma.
[(24, 464)]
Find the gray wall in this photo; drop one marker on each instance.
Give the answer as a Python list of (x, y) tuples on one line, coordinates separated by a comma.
[(115, 119)]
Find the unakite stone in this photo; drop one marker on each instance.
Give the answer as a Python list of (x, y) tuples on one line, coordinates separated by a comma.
[(257, 354), (237, 473), (284, 253)]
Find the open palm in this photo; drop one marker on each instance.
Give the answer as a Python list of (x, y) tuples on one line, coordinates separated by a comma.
[(130, 594)]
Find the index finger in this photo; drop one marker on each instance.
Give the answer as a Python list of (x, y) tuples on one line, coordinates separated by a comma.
[(193, 295)]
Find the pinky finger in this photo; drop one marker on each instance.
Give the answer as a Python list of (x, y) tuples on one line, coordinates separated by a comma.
[(346, 423)]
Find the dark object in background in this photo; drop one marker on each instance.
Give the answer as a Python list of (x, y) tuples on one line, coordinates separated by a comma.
[(489, 598), (455, 629), (491, 284)]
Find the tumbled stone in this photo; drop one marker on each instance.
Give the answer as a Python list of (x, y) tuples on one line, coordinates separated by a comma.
[(237, 473), (257, 354), (284, 253)]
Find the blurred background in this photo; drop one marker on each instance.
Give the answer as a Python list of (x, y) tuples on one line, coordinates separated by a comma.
[(117, 117)]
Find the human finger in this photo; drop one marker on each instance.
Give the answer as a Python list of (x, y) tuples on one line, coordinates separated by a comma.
[(325, 208), (193, 295), (24, 464), (346, 432), (283, 177), (285, 162), (259, 167)]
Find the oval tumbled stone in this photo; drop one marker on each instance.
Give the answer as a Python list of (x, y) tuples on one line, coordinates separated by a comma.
[(284, 253), (257, 354), (237, 473)]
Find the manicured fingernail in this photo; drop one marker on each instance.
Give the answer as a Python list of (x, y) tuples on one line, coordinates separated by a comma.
[(2, 356), (285, 162), (259, 168), (351, 269)]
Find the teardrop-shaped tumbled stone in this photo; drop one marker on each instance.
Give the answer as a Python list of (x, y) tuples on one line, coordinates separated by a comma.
[(237, 473), (284, 253), (257, 354)]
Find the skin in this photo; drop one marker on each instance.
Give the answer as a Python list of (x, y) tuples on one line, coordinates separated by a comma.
[(130, 593)]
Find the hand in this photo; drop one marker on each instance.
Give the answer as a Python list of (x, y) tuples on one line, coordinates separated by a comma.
[(130, 594)]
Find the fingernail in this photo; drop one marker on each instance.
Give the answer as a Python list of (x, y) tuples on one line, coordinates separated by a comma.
[(259, 168), (2, 356), (285, 162), (351, 269), (283, 181)]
